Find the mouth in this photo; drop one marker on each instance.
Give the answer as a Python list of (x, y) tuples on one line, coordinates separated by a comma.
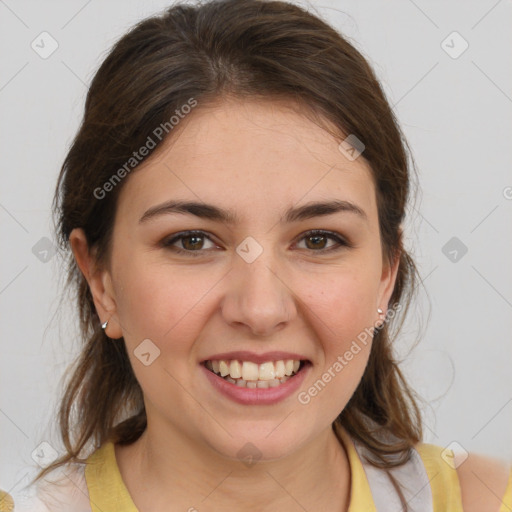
[(247, 374)]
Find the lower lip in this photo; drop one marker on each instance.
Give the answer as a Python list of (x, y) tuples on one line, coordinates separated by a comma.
[(257, 396)]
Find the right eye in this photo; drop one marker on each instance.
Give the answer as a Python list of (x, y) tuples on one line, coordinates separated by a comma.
[(191, 242)]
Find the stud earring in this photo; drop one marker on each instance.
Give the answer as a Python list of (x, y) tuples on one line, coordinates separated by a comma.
[(104, 326), (379, 310)]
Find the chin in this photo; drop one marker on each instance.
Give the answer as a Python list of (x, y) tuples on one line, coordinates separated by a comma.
[(258, 446)]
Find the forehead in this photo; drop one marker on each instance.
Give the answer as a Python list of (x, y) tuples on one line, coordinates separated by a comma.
[(250, 156)]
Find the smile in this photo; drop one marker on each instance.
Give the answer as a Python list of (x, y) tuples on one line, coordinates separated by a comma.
[(247, 374)]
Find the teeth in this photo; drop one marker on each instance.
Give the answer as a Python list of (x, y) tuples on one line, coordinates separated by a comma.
[(267, 371), (249, 374), (224, 368), (280, 370), (288, 367), (235, 369), (241, 383), (250, 371)]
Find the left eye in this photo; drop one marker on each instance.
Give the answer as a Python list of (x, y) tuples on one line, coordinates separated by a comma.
[(319, 238), (193, 241)]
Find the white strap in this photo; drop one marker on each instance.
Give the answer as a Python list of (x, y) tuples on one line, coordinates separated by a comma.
[(412, 478), (64, 490)]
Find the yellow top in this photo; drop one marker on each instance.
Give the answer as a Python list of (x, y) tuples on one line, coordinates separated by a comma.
[(107, 490)]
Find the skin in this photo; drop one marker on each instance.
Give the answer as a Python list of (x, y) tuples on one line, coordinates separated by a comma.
[(257, 159), (483, 482)]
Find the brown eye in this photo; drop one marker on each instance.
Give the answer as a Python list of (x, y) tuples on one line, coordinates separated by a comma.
[(317, 240), (192, 243)]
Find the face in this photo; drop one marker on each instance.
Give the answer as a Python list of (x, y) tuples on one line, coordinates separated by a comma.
[(259, 282)]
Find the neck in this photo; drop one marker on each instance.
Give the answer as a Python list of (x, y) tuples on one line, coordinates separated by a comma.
[(161, 469)]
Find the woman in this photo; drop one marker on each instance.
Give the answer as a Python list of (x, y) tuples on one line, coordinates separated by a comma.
[(234, 203)]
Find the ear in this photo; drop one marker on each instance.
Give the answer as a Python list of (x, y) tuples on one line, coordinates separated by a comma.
[(387, 281), (99, 281)]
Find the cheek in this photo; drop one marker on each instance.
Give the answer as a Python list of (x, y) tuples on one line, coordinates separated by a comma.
[(341, 314), (162, 303), (344, 306)]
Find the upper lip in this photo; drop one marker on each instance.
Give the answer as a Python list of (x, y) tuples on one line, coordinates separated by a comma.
[(245, 355)]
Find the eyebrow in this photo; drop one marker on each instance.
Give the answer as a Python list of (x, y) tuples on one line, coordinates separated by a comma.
[(211, 212)]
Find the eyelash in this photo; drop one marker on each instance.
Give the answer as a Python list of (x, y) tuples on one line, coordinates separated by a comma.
[(167, 243)]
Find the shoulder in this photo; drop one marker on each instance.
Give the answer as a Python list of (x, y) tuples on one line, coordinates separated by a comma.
[(468, 482), (485, 483)]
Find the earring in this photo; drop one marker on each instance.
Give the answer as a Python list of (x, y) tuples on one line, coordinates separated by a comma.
[(104, 326), (379, 310)]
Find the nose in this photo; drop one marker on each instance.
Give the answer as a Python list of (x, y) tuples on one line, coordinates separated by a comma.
[(257, 296)]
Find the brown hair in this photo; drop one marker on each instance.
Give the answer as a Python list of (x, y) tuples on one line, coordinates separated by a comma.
[(248, 49)]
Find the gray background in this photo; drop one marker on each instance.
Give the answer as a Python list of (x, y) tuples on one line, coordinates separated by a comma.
[(456, 115)]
